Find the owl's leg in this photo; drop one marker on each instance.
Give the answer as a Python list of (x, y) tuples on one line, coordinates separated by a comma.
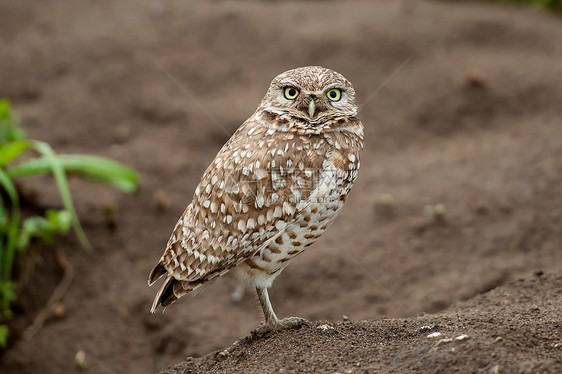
[(272, 323), (268, 312)]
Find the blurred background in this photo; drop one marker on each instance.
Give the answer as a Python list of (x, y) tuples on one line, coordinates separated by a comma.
[(459, 190)]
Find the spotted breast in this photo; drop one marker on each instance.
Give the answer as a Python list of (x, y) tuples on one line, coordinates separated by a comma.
[(319, 170)]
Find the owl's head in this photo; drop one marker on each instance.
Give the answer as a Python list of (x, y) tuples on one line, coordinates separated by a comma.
[(310, 96)]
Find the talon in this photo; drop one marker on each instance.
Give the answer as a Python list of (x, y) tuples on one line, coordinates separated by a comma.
[(294, 322), (283, 324)]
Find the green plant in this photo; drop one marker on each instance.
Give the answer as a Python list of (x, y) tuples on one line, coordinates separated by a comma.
[(22, 157)]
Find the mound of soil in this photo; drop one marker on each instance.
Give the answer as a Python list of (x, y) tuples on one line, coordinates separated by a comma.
[(512, 329), (459, 191)]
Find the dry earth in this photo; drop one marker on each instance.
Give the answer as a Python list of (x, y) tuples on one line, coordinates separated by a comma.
[(512, 329)]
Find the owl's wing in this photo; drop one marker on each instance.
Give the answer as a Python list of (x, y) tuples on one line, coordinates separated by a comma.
[(245, 198)]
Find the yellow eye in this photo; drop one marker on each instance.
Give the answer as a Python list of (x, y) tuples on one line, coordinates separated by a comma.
[(291, 93), (334, 94)]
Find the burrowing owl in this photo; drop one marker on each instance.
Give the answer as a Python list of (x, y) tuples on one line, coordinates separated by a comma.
[(270, 192)]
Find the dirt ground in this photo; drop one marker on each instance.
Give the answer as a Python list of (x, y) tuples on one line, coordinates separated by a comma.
[(489, 334), (472, 120)]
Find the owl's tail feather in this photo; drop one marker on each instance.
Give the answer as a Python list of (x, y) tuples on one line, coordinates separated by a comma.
[(165, 295), (156, 274), (171, 290)]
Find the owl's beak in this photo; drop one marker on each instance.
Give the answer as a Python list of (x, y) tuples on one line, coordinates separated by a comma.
[(311, 108)]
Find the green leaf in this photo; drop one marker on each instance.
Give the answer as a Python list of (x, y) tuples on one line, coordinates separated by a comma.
[(7, 295), (54, 222), (23, 242), (7, 252), (59, 221), (62, 184), (3, 221), (99, 169), (9, 130), (5, 111), (12, 150), (3, 336), (35, 226)]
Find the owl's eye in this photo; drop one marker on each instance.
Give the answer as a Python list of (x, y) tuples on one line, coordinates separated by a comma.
[(334, 94), (291, 93)]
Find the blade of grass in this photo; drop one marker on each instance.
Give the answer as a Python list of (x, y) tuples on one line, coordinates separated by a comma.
[(104, 170), (99, 169), (3, 336), (4, 229), (8, 252), (9, 131), (62, 184)]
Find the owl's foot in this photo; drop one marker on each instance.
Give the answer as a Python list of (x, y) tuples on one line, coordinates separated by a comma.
[(281, 324)]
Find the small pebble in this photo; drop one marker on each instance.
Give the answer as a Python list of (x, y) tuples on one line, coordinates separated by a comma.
[(345, 318), (429, 327), (443, 341), (59, 310), (327, 329), (434, 335), (461, 337)]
